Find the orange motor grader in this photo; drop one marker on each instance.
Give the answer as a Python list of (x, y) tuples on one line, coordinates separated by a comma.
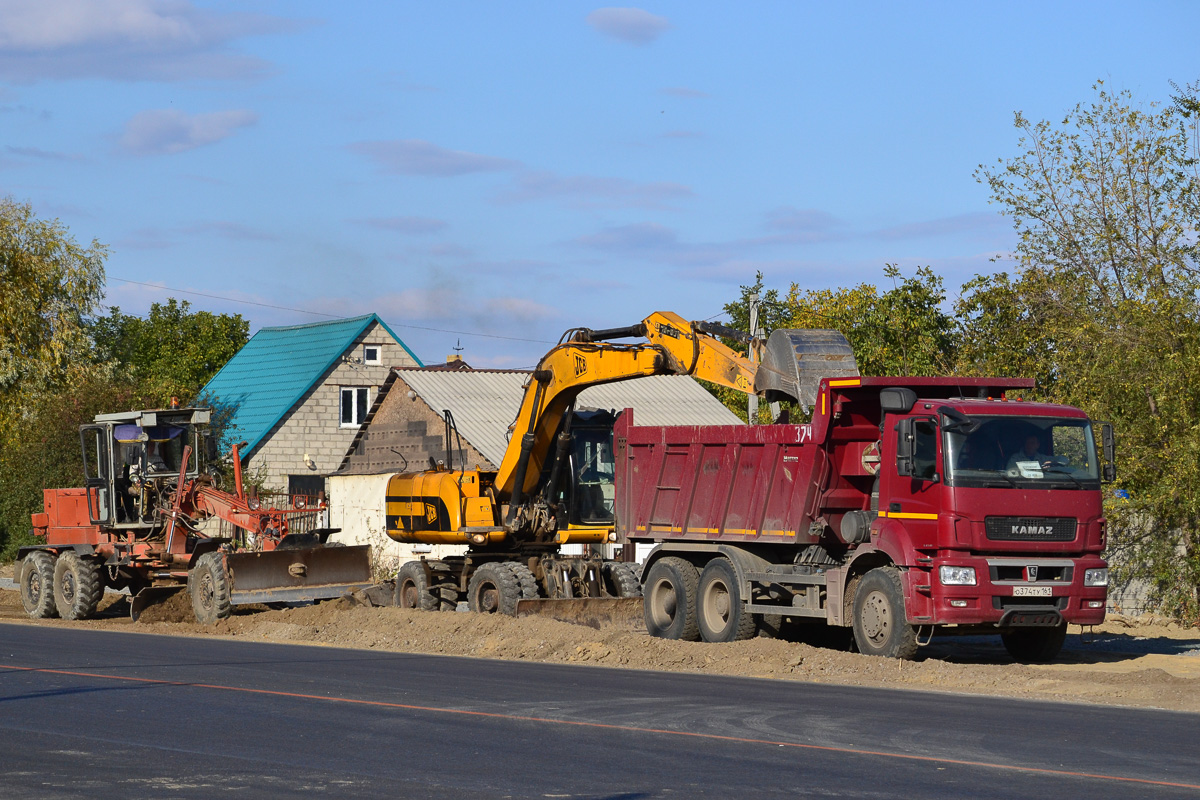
[(152, 519)]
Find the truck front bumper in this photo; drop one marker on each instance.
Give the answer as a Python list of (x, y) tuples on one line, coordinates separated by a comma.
[(1008, 592)]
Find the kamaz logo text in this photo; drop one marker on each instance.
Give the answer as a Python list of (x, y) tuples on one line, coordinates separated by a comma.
[(1032, 530)]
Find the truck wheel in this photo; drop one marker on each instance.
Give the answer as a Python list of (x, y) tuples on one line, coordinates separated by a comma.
[(208, 584), (493, 589), (880, 628), (37, 585), (721, 614), (1034, 645), (622, 582), (669, 599), (412, 589), (77, 586)]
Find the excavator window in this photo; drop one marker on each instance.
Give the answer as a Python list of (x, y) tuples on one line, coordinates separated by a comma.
[(593, 468)]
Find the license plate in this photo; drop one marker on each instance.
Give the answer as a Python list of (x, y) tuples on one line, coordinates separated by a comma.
[(1033, 591)]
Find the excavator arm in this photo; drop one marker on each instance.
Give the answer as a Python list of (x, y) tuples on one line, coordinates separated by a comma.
[(673, 346)]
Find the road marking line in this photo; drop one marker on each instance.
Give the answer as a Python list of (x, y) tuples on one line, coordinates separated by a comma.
[(609, 726)]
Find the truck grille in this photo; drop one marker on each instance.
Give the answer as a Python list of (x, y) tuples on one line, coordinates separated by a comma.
[(1030, 529)]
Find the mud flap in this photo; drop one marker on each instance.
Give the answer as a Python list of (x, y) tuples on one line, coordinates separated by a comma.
[(291, 575), (595, 612), (152, 595)]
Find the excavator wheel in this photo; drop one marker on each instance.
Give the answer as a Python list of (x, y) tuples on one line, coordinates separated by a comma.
[(445, 585), (37, 585), (524, 576), (77, 586), (412, 588), (622, 580), (494, 589)]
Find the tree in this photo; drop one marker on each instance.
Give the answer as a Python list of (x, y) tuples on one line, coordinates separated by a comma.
[(174, 351), (1102, 307), (48, 284)]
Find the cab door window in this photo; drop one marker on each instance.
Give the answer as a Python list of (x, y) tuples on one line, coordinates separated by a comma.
[(925, 436)]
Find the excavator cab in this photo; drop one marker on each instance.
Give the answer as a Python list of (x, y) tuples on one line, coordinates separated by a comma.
[(592, 488)]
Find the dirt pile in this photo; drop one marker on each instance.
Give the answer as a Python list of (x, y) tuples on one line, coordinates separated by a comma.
[(1137, 662)]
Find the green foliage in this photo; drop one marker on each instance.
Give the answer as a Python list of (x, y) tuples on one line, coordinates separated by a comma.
[(174, 351), (1103, 310), (48, 283), (40, 448)]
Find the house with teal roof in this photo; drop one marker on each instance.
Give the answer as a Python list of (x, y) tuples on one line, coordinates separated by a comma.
[(298, 394)]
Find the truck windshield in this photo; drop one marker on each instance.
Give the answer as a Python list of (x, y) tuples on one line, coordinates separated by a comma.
[(1025, 452)]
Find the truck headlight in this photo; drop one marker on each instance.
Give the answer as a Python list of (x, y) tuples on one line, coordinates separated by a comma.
[(1095, 577), (957, 576)]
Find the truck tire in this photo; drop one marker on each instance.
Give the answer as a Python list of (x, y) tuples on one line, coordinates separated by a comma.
[(669, 599), (525, 579), (37, 585), (493, 589), (622, 582), (1034, 645), (412, 588), (880, 627), (721, 614), (208, 585), (77, 586)]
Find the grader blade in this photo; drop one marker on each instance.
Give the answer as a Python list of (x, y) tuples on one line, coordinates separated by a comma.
[(595, 612), (291, 575), (797, 359), (151, 596)]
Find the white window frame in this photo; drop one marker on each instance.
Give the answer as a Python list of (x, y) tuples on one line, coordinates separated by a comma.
[(378, 359), (354, 405)]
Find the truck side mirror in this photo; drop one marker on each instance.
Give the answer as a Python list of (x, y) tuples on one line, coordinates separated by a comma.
[(905, 447), (1109, 448), (897, 399)]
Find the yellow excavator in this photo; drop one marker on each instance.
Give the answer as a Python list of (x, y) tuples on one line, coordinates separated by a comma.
[(554, 484)]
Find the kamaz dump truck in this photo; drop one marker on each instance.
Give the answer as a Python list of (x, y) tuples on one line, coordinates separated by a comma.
[(908, 506), (152, 519)]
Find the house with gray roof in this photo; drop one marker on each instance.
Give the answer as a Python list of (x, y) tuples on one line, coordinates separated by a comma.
[(297, 395)]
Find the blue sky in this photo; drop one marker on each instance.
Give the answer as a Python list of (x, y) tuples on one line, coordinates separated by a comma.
[(515, 169)]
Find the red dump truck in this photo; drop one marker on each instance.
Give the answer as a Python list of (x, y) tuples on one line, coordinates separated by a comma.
[(907, 506)]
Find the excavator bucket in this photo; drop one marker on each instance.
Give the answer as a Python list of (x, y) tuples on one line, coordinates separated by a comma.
[(796, 360), (595, 612), (290, 575)]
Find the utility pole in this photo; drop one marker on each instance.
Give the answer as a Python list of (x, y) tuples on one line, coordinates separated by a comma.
[(755, 331)]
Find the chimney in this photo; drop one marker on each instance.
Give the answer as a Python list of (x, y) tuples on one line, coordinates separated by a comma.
[(453, 359)]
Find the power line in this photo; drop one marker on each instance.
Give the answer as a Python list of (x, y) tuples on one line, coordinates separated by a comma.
[(324, 314)]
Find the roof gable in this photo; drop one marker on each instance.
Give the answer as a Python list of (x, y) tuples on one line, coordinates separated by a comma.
[(277, 367)]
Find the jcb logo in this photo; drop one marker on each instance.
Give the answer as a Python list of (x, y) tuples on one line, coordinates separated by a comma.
[(430, 513), (580, 365)]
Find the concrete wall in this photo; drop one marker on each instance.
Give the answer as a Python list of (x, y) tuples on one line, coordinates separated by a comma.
[(314, 426), (357, 506)]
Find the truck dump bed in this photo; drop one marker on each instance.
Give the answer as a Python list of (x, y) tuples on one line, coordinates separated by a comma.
[(733, 483)]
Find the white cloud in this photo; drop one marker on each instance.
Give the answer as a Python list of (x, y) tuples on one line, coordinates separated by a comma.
[(419, 157), (640, 236), (631, 25), (44, 155), (172, 131), (131, 40)]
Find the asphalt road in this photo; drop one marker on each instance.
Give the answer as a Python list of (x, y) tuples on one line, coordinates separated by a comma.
[(109, 714)]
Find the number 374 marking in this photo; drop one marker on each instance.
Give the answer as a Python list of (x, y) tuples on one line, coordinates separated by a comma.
[(803, 434)]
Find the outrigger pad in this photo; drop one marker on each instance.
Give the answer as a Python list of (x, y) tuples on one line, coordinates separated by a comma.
[(796, 360)]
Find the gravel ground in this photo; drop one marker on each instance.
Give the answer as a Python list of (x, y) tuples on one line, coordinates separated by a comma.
[(1138, 662)]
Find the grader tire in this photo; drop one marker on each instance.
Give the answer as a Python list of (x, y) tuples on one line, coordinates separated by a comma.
[(208, 584), (37, 585), (77, 586)]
